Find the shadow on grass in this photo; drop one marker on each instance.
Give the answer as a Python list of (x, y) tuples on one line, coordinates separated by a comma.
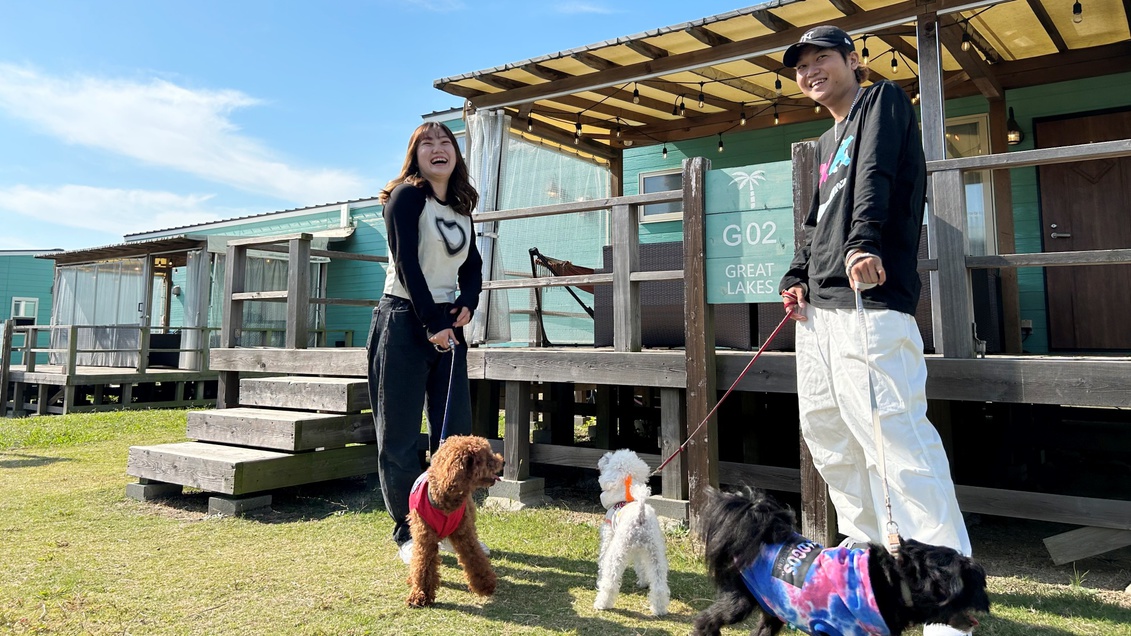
[(17, 460), (1080, 605), (544, 589)]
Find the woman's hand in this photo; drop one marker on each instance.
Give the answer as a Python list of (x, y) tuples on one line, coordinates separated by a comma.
[(441, 340), (464, 316)]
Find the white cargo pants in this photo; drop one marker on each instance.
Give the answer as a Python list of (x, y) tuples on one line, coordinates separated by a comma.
[(836, 423)]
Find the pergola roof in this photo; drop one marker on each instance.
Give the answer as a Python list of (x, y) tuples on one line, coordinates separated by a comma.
[(734, 61)]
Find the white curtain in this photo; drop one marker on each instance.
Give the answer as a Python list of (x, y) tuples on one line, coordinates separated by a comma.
[(487, 133), (106, 299), (264, 323), (196, 292)]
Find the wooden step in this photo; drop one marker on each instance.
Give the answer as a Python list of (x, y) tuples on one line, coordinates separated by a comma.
[(233, 470), (337, 395), (281, 430)]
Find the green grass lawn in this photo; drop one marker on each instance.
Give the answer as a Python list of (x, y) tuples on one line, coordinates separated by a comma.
[(80, 558)]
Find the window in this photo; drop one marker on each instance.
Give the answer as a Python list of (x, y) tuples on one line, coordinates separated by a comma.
[(24, 310), (661, 182), (967, 137)]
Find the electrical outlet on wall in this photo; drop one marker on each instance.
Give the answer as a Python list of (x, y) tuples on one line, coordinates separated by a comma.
[(1026, 324)]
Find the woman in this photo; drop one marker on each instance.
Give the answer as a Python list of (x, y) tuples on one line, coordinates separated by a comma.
[(431, 291)]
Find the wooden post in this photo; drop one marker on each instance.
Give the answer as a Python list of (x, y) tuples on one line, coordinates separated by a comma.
[(8, 327), (143, 348), (817, 515), (626, 293), (31, 338), (949, 207), (68, 397), (699, 337), (228, 382), (516, 437), (485, 409), (605, 419), (673, 430), (298, 292), (933, 108), (1003, 220), (70, 365)]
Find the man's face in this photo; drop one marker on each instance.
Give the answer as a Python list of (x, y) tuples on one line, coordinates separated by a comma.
[(826, 76)]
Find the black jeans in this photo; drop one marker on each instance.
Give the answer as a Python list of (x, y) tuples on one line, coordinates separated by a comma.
[(407, 376)]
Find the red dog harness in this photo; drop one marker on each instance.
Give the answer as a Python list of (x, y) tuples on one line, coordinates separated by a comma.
[(443, 524)]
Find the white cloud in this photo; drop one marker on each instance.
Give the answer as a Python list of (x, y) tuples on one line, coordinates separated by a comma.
[(583, 7), (167, 125), (109, 210)]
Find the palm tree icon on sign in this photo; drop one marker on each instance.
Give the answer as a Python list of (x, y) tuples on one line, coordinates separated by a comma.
[(749, 180)]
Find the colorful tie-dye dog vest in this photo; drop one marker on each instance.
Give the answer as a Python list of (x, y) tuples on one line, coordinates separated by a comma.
[(818, 591)]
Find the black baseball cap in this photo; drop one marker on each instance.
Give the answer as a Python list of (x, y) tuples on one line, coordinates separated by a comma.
[(823, 37)]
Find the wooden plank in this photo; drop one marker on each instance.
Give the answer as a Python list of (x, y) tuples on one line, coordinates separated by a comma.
[(269, 240), (549, 281), (582, 206), (233, 470), (1032, 380), (262, 295), (231, 322), (1050, 259), (1001, 181), (1036, 157), (290, 431), (1101, 513), (1085, 542), (338, 395), (699, 338), (516, 435), (673, 431), (949, 211), (336, 361), (330, 254), (626, 293), (648, 368), (658, 275)]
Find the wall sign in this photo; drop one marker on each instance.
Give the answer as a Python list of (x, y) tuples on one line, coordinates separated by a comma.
[(749, 229)]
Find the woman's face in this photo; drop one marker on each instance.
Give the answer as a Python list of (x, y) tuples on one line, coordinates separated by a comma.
[(436, 156)]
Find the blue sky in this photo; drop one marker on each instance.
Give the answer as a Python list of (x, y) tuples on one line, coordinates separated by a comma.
[(124, 116)]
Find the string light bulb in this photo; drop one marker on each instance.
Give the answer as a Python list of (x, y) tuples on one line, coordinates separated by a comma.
[(529, 124), (864, 51), (577, 130), (742, 114), (700, 94), (1077, 12), (776, 120), (966, 41), (777, 83), (682, 107), (816, 108), (915, 97), (894, 62), (635, 94), (618, 128), (664, 151), (720, 142)]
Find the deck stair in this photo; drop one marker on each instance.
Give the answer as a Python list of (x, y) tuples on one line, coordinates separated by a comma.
[(289, 431)]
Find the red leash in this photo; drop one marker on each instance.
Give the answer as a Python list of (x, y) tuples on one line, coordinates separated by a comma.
[(788, 315)]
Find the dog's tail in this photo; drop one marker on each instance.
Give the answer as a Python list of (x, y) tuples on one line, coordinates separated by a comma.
[(638, 491)]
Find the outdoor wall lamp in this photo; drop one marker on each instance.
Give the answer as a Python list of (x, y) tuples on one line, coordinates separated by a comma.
[(1013, 133)]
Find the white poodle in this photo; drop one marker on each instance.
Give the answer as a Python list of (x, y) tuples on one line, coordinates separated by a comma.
[(630, 533)]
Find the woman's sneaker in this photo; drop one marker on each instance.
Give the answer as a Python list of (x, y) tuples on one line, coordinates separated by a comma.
[(446, 546), (404, 551)]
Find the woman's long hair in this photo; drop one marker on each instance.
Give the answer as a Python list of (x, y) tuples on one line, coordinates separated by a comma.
[(462, 196)]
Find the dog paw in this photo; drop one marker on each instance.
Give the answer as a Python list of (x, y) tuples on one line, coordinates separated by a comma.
[(484, 586), (604, 601), (418, 598)]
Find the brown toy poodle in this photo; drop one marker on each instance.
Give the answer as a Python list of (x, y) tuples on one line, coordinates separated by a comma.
[(441, 506)]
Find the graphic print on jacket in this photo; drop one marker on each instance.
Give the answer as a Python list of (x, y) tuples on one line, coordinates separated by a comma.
[(839, 159)]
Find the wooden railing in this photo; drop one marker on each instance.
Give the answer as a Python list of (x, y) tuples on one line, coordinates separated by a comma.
[(296, 296), (24, 343), (949, 207)]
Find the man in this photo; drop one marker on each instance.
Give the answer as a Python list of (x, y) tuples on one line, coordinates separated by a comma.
[(862, 233)]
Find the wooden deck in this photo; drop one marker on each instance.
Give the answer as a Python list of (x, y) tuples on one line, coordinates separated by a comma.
[(52, 390)]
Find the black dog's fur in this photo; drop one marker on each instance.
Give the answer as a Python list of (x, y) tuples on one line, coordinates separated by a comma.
[(945, 586)]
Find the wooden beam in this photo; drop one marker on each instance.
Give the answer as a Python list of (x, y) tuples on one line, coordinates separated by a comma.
[(950, 33), (949, 240), (707, 36), (771, 21), (650, 51), (1036, 157), (1085, 542), (673, 430), (1001, 182), (1045, 19), (699, 339), (732, 51), (541, 71), (298, 293), (626, 294), (594, 62), (560, 137), (516, 436), (1051, 259), (1074, 64)]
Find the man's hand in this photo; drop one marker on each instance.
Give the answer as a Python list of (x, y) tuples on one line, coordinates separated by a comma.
[(463, 318), (794, 301), (865, 270)]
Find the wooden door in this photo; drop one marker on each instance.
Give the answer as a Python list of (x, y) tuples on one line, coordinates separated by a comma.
[(1086, 205)]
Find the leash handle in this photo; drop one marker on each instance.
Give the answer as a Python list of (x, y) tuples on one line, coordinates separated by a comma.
[(788, 315)]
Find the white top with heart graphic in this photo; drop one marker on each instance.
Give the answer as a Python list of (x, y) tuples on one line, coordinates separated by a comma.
[(445, 238)]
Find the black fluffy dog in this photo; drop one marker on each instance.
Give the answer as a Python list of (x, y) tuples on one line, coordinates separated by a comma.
[(759, 563)]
